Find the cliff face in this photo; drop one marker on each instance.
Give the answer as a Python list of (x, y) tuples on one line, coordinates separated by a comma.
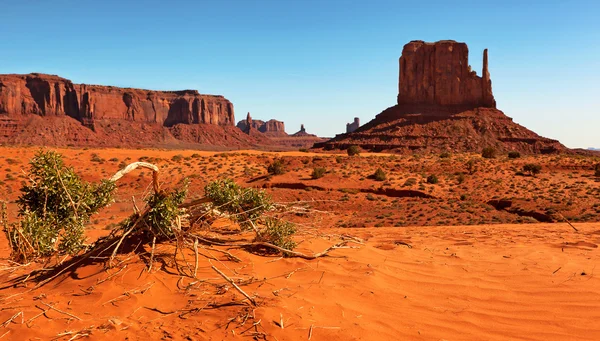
[(47, 95), (439, 74), (443, 106)]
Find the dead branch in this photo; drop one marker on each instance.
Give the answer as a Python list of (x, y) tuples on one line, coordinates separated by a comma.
[(135, 165), (60, 311), (568, 222), (234, 285), (11, 319)]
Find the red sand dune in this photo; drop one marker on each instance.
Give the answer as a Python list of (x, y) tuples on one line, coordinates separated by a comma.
[(490, 282)]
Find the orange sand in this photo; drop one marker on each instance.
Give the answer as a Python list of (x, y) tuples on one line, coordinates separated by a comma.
[(488, 282)]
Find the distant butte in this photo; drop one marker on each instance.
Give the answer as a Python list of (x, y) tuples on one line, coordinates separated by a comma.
[(275, 131), (442, 105)]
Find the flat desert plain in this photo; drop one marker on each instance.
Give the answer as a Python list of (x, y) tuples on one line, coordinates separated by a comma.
[(483, 253)]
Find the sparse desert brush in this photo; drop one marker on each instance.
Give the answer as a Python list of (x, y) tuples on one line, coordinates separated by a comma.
[(471, 166), (532, 168), (432, 179), (597, 170), (277, 167), (445, 155), (177, 158), (303, 150), (410, 182), (318, 172), (514, 155), (97, 158), (379, 175), (488, 153), (353, 151)]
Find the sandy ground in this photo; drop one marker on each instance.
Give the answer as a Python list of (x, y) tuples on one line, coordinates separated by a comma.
[(489, 282), (534, 281)]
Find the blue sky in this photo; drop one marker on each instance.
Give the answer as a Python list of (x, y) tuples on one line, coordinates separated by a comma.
[(320, 63)]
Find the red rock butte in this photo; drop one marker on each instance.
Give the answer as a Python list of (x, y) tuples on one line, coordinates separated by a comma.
[(440, 74), (50, 110), (442, 105)]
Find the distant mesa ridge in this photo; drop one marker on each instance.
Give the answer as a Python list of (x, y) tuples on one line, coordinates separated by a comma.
[(42, 109), (49, 95), (442, 105)]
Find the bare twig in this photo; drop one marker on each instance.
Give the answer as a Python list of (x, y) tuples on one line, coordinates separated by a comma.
[(11, 319), (152, 253), (234, 285), (60, 311)]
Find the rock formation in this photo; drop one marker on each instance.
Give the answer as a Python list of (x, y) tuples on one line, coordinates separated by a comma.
[(50, 110), (442, 105), (47, 95), (439, 74), (350, 127), (270, 128), (275, 131)]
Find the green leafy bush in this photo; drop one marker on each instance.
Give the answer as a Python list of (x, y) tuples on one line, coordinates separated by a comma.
[(163, 212), (278, 232), (277, 167), (353, 150), (245, 204), (54, 209)]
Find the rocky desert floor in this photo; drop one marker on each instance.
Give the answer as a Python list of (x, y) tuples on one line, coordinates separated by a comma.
[(485, 253)]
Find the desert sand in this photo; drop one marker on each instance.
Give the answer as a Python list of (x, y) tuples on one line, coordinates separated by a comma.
[(422, 280)]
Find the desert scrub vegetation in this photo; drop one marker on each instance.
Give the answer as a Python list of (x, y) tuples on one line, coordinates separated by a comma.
[(318, 172), (353, 151), (488, 153), (432, 179), (277, 167), (54, 209), (379, 175), (514, 155), (532, 168)]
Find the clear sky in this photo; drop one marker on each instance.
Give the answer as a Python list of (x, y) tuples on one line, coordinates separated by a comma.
[(320, 63)]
